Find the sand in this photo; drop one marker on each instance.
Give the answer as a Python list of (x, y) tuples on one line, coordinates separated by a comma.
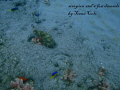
[(87, 39)]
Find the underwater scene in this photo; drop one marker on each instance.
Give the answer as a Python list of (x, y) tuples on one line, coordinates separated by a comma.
[(59, 44)]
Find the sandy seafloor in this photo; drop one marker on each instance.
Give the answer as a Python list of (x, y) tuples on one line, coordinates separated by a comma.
[(85, 43)]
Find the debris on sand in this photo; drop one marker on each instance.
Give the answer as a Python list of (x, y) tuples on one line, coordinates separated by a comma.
[(18, 84), (101, 84), (68, 75), (47, 2), (101, 72)]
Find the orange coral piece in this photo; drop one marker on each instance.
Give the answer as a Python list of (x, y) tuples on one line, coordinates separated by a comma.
[(23, 78)]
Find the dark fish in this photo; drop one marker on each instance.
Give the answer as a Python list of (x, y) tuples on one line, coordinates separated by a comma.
[(14, 9)]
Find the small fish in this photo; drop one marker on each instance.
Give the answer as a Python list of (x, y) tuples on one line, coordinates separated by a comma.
[(54, 74), (36, 14), (23, 78), (14, 9)]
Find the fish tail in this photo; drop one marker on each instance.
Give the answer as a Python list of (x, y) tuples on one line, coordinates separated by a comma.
[(52, 77)]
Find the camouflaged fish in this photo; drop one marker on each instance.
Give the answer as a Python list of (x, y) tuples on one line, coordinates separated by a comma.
[(44, 38)]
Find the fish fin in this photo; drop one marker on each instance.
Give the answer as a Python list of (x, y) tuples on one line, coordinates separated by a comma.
[(52, 77)]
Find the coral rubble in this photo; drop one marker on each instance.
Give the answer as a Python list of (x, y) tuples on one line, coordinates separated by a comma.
[(68, 75), (101, 85), (19, 85), (101, 72)]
